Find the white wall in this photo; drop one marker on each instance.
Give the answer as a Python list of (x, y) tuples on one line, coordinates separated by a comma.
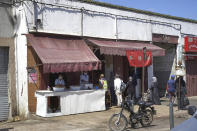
[(99, 25), (134, 30), (21, 63), (57, 20), (68, 21), (6, 26)]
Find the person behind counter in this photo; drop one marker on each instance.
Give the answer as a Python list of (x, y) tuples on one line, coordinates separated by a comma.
[(59, 82), (84, 78), (55, 101)]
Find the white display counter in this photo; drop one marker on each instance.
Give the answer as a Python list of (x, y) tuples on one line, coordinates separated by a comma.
[(71, 102)]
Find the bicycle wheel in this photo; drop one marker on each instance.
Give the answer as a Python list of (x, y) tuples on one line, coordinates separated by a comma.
[(116, 123), (147, 118)]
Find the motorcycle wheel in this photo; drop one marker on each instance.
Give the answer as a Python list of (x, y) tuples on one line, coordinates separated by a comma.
[(116, 125), (147, 118)]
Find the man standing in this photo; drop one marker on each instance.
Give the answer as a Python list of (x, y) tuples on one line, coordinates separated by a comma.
[(183, 92), (103, 82), (154, 91), (117, 88), (130, 89), (172, 88)]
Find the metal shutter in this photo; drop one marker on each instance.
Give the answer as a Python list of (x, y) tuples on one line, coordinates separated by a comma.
[(4, 107)]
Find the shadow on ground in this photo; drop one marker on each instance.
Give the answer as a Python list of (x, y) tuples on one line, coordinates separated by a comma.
[(6, 129)]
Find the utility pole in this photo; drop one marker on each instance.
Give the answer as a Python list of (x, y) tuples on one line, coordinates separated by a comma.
[(179, 94), (143, 73), (171, 114)]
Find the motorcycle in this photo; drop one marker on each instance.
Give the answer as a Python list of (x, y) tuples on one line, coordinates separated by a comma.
[(144, 115)]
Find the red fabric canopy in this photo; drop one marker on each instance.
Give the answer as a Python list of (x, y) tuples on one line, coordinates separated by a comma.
[(110, 47), (63, 54), (135, 58)]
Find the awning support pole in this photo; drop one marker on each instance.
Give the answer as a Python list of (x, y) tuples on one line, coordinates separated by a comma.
[(144, 57), (179, 94)]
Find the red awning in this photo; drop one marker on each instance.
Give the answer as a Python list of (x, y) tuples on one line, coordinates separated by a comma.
[(110, 47), (63, 54)]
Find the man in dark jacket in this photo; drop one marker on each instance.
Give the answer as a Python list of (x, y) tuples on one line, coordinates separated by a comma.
[(130, 89), (155, 93), (183, 91)]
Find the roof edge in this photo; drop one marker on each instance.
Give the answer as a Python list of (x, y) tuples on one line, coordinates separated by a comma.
[(137, 10)]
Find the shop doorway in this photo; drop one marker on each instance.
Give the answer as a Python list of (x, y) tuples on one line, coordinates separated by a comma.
[(163, 66), (4, 106), (122, 67), (191, 77)]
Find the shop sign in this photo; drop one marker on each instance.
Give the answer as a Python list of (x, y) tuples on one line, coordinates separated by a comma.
[(33, 77), (190, 44), (135, 58), (162, 38)]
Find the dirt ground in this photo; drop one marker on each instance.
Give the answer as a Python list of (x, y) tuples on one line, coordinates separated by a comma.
[(96, 121)]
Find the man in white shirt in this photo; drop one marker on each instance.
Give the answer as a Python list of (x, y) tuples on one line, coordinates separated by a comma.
[(117, 88)]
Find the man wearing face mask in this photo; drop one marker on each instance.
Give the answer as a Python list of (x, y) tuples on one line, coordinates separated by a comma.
[(84, 79), (59, 82), (55, 101)]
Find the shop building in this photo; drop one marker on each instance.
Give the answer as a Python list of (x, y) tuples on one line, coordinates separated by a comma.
[(8, 97), (190, 49), (88, 21), (69, 56)]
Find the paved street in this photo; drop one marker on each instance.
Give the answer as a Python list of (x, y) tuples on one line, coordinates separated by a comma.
[(96, 121), (83, 122)]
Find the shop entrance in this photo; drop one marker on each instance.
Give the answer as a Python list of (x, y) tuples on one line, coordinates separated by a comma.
[(4, 107), (163, 66), (191, 77), (122, 68)]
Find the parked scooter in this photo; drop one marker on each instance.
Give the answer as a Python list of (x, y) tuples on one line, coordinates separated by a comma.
[(144, 115)]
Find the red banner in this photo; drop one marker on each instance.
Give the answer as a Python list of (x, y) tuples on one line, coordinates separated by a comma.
[(190, 44), (136, 58)]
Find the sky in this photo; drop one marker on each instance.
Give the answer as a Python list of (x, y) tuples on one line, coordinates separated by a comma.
[(180, 8)]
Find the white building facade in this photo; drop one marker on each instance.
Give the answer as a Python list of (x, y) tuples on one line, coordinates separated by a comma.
[(97, 20)]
